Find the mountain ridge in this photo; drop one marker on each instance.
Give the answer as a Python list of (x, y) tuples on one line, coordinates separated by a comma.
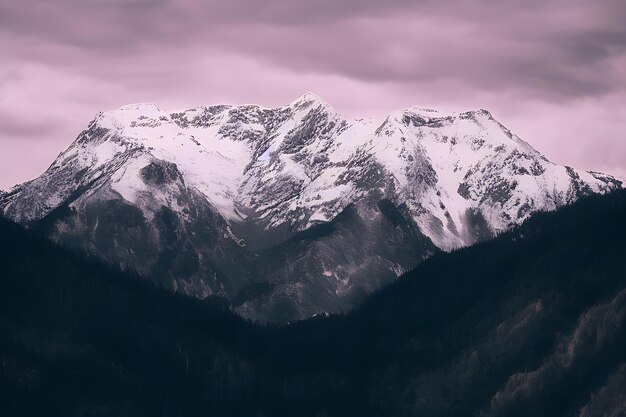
[(193, 198)]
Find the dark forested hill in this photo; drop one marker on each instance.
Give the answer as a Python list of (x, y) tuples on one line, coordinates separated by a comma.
[(532, 323)]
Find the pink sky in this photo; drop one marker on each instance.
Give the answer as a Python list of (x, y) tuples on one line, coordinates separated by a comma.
[(554, 72)]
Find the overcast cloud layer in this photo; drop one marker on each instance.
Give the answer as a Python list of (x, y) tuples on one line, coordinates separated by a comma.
[(554, 72)]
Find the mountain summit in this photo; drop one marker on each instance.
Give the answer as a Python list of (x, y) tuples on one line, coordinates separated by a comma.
[(291, 211)]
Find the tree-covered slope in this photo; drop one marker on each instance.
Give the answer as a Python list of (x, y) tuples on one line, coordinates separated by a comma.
[(530, 323)]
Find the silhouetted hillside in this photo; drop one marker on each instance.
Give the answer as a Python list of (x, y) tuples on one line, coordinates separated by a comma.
[(532, 323)]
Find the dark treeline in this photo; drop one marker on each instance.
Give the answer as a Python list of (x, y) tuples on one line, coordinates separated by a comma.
[(532, 323)]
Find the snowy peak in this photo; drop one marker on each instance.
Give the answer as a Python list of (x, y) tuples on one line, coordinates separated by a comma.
[(303, 163), (201, 187), (133, 113), (310, 100)]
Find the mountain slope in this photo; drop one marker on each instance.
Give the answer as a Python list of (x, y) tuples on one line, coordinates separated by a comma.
[(530, 323), (202, 200)]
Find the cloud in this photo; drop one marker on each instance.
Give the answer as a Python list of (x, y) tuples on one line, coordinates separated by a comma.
[(558, 50)]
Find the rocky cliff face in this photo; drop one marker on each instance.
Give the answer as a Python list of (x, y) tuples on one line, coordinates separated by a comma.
[(291, 211)]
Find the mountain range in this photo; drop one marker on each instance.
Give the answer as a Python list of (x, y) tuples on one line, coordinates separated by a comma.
[(288, 212)]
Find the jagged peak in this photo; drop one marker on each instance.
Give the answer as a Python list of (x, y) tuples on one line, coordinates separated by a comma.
[(132, 112), (433, 113), (129, 113), (202, 109), (483, 111), (309, 99), (423, 110), (308, 96)]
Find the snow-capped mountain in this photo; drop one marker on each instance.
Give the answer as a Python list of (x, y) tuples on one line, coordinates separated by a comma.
[(288, 211)]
